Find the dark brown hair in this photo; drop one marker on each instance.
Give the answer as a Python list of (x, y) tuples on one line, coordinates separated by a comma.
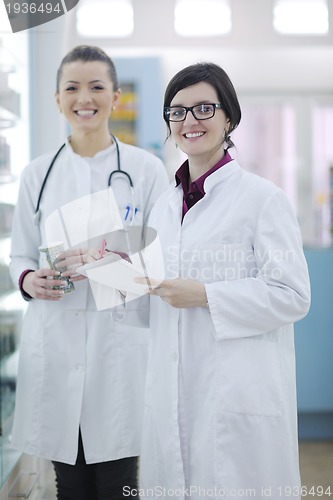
[(88, 53)]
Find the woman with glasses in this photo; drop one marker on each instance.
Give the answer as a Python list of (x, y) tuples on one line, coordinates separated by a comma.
[(220, 414)]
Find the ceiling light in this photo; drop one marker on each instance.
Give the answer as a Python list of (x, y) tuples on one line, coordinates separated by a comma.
[(202, 17), (301, 17), (105, 18)]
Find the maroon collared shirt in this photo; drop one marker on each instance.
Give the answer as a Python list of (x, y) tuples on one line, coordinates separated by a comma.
[(194, 191)]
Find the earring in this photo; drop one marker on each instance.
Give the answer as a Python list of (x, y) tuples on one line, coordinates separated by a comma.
[(228, 141)]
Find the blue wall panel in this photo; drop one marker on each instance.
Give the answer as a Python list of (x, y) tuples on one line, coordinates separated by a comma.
[(314, 350)]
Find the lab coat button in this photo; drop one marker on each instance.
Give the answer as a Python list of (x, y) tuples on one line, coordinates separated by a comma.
[(79, 368), (79, 313)]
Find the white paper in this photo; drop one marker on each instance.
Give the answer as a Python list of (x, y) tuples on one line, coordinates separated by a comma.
[(119, 275)]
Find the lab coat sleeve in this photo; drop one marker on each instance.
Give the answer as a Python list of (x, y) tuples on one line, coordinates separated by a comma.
[(25, 238), (279, 293)]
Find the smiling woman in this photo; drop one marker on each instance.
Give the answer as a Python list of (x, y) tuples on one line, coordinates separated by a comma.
[(81, 377), (87, 92), (86, 97), (222, 320)]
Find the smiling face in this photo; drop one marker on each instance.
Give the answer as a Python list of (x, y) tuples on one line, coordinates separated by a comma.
[(201, 140), (86, 96)]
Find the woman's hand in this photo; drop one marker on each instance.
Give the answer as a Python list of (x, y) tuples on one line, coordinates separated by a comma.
[(179, 292), (74, 258), (39, 285)]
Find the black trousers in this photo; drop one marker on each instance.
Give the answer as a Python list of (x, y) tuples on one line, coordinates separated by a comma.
[(101, 481)]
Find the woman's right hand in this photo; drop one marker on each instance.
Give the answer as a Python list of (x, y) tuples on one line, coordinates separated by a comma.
[(74, 258), (39, 285)]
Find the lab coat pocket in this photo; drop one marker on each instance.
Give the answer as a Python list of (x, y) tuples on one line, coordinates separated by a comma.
[(249, 377)]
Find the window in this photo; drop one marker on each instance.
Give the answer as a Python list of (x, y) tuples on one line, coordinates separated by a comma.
[(288, 139)]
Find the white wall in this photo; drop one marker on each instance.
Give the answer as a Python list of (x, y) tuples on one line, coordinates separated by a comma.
[(47, 48), (263, 69), (259, 61)]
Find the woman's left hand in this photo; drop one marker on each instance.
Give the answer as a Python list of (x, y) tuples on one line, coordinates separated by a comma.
[(180, 293)]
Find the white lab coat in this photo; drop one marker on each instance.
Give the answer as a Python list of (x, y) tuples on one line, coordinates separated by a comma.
[(76, 366), (220, 402)]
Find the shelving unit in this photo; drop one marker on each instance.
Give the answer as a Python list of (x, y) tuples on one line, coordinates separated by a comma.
[(21, 476), (137, 119), (13, 156), (123, 123)]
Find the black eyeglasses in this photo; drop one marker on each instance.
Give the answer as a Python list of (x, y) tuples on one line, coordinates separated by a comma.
[(200, 112)]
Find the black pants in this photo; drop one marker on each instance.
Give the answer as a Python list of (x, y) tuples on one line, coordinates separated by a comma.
[(101, 481)]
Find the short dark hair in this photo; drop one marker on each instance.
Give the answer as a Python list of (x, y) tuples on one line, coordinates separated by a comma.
[(215, 76), (88, 53)]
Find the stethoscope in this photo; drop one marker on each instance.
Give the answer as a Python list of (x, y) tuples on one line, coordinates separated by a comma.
[(116, 315), (119, 171)]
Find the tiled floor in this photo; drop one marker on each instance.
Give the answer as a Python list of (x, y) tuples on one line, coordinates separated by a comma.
[(316, 460), (49, 492)]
